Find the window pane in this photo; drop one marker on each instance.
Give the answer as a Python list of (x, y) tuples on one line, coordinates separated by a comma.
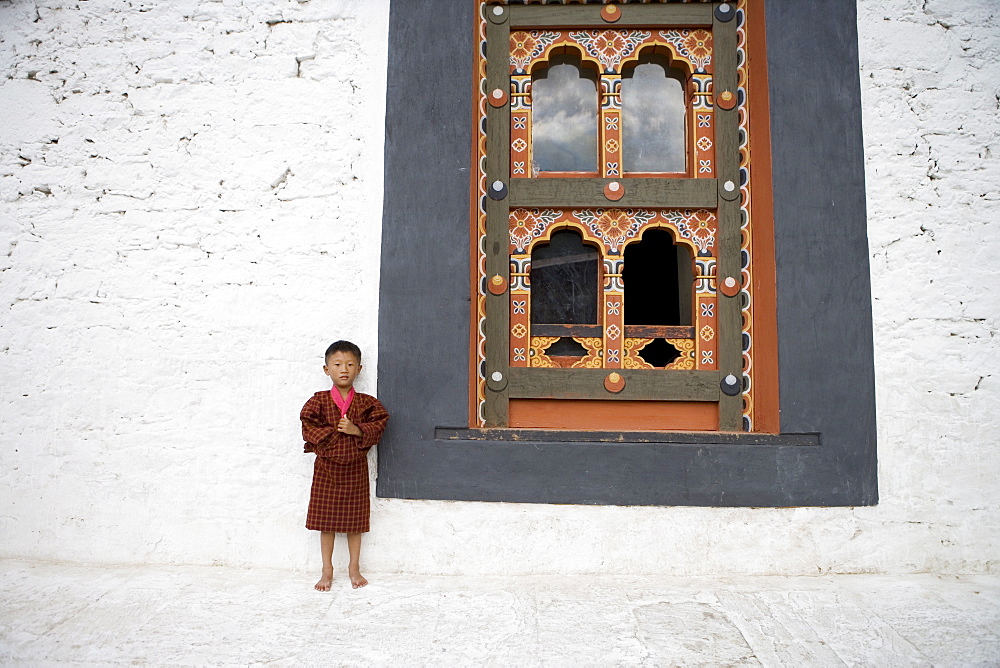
[(652, 121), (564, 281), (564, 115)]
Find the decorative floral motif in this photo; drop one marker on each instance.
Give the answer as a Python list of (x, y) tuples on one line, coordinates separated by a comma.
[(518, 331), (707, 333), (704, 143), (707, 309), (611, 122), (704, 120), (694, 45), (519, 145), (524, 46), (611, 146), (520, 122), (613, 332), (519, 306), (613, 355), (518, 354), (699, 227), (609, 47), (615, 226), (704, 166), (526, 225), (518, 167), (614, 308), (706, 357)]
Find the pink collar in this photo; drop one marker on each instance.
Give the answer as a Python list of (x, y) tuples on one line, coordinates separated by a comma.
[(342, 403)]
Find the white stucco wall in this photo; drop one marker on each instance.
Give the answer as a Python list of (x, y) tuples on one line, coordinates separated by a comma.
[(190, 202)]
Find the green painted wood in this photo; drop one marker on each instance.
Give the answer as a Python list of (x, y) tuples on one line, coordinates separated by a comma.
[(640, 384), (497, 325), (728, 169), (724, 55), (730, 318), (589, 16), (699, 438), (639, 192)]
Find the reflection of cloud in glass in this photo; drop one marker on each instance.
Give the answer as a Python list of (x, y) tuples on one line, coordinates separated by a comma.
[(652, 121), (564, 121)]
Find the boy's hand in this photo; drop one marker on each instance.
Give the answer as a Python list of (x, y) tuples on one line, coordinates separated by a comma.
[(345, 426)]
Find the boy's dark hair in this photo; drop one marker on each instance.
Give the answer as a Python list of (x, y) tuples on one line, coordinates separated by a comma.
[(343, 347)]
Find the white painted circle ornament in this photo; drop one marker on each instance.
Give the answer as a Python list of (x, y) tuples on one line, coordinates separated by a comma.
[(497, 376)]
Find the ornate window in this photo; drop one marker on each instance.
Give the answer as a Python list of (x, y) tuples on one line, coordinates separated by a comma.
[(613, 220)]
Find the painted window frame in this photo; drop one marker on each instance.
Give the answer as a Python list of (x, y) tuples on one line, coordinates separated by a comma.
[(717, 367)]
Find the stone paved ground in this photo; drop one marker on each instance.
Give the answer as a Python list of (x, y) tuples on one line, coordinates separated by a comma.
[(65, 614)]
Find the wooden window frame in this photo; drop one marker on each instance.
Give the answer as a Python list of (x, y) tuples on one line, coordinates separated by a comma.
[(504, 371)]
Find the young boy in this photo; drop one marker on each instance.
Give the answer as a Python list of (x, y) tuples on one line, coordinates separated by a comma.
[(341, 426)]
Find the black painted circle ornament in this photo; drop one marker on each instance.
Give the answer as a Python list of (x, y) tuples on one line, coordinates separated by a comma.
[(498, 190), (730, 385), (724, 13)]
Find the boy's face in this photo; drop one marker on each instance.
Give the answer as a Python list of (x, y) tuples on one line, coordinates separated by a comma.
[(342, 368)]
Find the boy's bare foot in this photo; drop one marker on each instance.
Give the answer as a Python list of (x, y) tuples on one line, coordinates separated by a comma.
[(326, 581), (357, 579)]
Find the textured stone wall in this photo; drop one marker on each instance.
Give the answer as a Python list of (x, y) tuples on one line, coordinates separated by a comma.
[(190, 211), (190, 197)]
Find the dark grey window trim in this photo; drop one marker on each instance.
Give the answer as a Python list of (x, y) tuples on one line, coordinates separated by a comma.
[(826, 454)]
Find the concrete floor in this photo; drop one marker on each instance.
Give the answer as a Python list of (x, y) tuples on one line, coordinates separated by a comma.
[(63, 614)]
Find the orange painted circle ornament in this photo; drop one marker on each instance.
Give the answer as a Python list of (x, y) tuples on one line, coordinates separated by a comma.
[(614, 191), (497, 285), (614, 382), (497, 97), (729, 286), (725, 100), (611, 13)]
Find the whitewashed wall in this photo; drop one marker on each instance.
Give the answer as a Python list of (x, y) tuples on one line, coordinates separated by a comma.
[(190, 198)]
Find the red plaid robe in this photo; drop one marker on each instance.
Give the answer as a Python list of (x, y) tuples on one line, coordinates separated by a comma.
[(339, 499)]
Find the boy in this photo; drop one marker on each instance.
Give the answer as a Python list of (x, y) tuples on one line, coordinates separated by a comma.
[(341, 426)]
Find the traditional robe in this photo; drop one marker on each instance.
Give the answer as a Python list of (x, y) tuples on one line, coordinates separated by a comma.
[(339, 499)]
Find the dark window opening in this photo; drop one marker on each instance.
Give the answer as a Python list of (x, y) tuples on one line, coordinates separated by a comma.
[(659, 353), (564, 280), (566, 347), (658, 277)]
